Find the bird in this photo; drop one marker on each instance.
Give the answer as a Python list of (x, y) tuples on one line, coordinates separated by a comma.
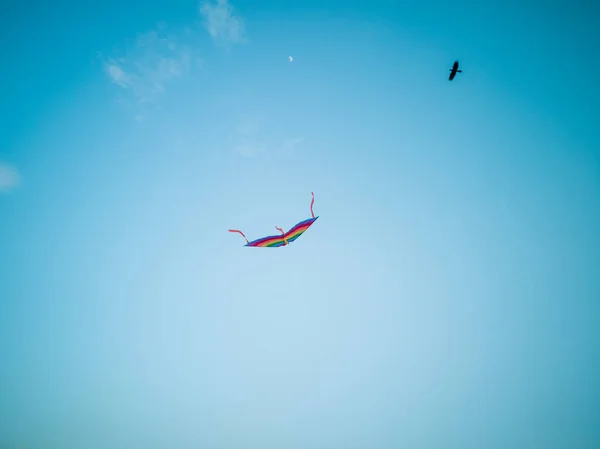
[(454, 70)]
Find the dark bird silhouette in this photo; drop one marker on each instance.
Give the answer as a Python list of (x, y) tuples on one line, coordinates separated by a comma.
[(454, 70)]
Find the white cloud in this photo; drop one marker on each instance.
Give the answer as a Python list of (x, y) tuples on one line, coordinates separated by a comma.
[(9, 177), (222, 22), (246, 150), (247, 139), (117, 75), (255, 136), (250, 125), (146, 68), (289, 145)]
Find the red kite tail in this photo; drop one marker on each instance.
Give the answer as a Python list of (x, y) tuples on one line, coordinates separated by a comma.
[(239, 232), (311, 204), (282, 233)]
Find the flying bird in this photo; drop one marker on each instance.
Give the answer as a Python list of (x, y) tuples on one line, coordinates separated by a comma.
[(454, 70)]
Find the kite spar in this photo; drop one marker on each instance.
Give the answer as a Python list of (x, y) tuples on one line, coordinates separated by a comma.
[(275, 241)]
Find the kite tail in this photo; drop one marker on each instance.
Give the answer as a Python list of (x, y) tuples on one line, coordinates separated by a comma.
[(311, 204), (282, 233), (239, 232)]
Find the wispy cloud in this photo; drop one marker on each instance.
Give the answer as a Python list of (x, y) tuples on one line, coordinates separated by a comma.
[(248, 142), (289, 145), (255, 136), (144, 70), (9, 177), (117, 75), (222, 22), (247, 150)]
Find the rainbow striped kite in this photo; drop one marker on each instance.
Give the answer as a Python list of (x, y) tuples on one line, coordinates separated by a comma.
[(274, 241)]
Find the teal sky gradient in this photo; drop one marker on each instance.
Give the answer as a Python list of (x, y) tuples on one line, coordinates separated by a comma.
[(447, 297)]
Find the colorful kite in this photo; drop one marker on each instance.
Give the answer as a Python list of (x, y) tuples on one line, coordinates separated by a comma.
[(285, 238)]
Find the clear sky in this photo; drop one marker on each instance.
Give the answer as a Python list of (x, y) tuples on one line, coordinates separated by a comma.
[(447, 297)]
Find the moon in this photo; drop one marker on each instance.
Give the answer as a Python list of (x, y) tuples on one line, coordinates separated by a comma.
[(291, 59)]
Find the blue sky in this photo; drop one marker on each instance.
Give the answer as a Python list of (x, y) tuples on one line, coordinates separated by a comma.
[(446, 298)]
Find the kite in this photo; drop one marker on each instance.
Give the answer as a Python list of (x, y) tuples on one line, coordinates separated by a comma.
[(453, 70), (274, 241)]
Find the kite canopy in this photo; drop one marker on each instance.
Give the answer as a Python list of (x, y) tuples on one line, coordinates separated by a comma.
[(274, 241)]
